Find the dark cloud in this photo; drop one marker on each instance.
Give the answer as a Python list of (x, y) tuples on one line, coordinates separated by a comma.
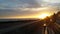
[(17, 12), (7, 7), (11, 7), (19, 3)]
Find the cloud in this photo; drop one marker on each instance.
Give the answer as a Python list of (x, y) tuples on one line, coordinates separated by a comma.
[(10, 8), (17, 7), (17, 12), (52, 1), (18, 3), (44, 3), (26, 3), (24, 11)]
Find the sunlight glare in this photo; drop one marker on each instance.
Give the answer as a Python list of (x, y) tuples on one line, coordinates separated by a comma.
[(42, 16)]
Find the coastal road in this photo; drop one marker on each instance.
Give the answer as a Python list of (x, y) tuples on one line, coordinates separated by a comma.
[(31, 27)]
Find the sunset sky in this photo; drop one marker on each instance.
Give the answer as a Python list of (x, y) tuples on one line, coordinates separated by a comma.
[(27, 8)]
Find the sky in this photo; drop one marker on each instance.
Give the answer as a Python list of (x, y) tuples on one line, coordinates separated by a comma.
[(26, 8)]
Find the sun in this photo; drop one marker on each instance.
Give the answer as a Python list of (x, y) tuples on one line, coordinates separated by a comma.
[(43, 16)]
